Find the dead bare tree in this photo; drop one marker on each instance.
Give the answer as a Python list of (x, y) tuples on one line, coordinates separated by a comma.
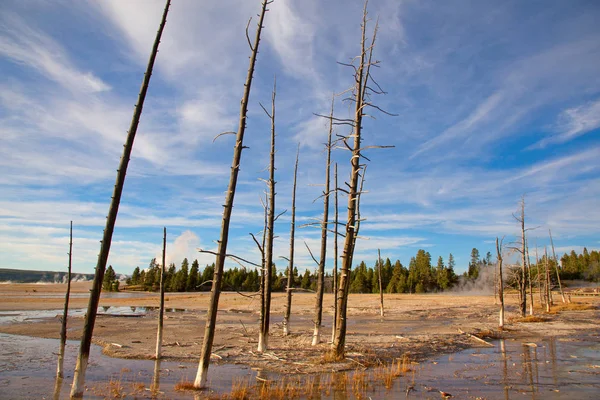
[(361, 99), (562, 294), (529, 278), (335, 253), (263, 338), (539, 278), (211, 315), (90, 317), (63, 325), (522, 281), (323, 256), (161, 310), (380, 282), (290, 272), (501, 283), (549, 301)]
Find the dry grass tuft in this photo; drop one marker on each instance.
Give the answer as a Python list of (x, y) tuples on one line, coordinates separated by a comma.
[(184, 385), (240, 389), (329, 357)]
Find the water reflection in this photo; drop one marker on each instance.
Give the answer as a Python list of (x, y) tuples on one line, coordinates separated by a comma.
[(156, 377), (551, 369), (57, 388)]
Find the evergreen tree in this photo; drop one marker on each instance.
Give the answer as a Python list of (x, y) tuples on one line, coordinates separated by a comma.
[(442, 278), (451, 274), (473, 271), (192, 279), (135, 277), (182, 276), (108, 283), (360, 283), (207, 276), (398, 281), (305, 283), (170, 278)]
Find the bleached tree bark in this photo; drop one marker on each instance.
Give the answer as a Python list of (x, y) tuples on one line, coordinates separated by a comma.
[(501, 283), (529, 279), (63, 326), (263, 338), (155, 386), (290, 272), (161, 310), (90, 317), (562, 294), (321, 273), (335, 254), (211, 316)]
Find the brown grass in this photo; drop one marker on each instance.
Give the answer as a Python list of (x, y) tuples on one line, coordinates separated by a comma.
[(240, 389), (184, 385)]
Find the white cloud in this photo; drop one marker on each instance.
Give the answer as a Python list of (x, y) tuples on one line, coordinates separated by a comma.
[(27, 46), (574, 122)]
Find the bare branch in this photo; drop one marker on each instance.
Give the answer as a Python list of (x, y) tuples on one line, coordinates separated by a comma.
[(311, 254), (224, 133)]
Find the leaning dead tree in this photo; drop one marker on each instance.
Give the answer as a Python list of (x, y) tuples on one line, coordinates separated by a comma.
[(380, 282), (161, 311), (500, 283), (562, 294), (263, 337), (335, 252), (290, 271), (63, 326), (364, 86), (323, 256), (211, 315), (90, 316)]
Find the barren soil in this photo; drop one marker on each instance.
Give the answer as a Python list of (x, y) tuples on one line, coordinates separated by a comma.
[(419, 326)]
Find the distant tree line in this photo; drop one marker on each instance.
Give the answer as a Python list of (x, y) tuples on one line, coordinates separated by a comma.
[(421, 276), (581, 266)]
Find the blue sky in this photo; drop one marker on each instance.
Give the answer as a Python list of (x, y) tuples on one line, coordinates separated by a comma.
[(494, 100)]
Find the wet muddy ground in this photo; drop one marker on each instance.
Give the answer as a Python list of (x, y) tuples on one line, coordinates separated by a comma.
[(562, 358)]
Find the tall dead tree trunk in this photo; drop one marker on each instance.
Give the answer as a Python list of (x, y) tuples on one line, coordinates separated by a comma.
[(548, 289), (335, 254), (529, 279), (263, 338), (63, 326), (290, 272), (539, 278), (361, 79), (90, 317), (161, 311), (211, 315), (321, 274), (522, 281), (500, 284), (562, 294), (380, 283)]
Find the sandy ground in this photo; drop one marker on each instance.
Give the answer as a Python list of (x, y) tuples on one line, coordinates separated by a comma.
[(419, 326)]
